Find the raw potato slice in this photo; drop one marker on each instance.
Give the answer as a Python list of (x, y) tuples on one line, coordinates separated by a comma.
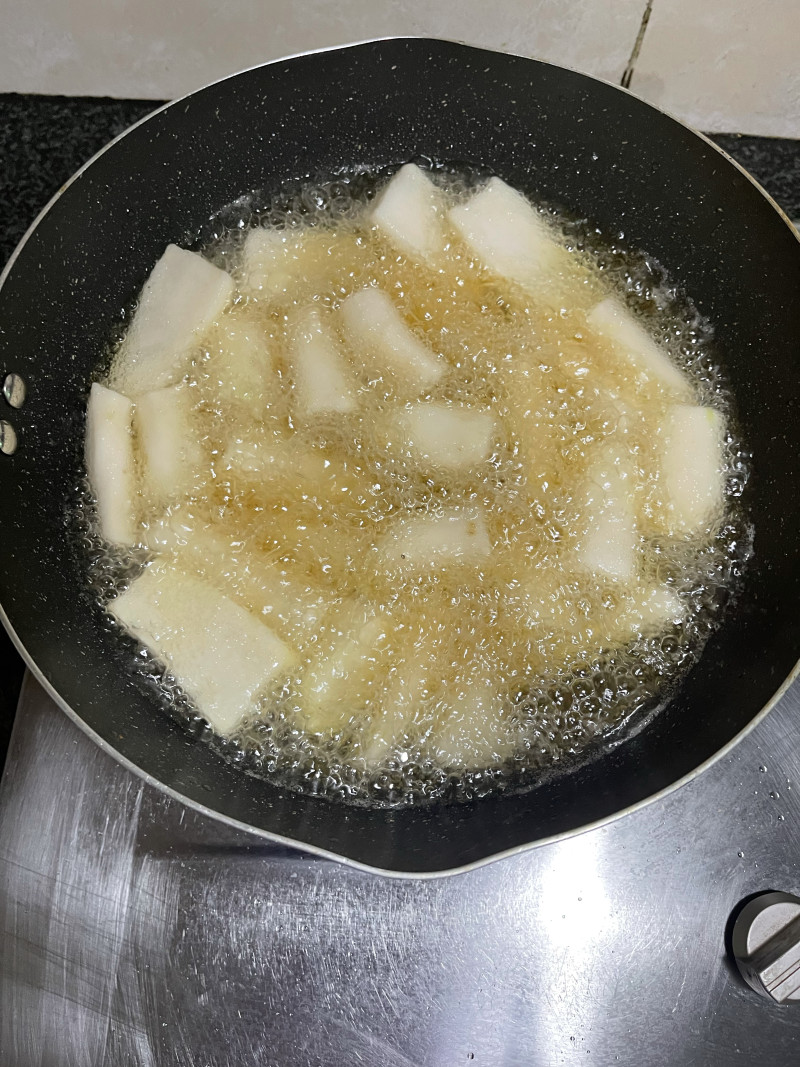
[(399, 705), (267, 589), (337, 683), (321, 381), (409, 212), (268, 458), (446, 436), (171, 455), (277, 262), (381, 342), (220, 654), (474, 728), (509, 236), (631, 340), (654, 608), (609, 546), (110, 463), (180, 300), (425, 541), (239, 365), (691, 481)]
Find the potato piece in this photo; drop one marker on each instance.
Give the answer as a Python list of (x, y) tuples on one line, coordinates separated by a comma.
[(221, 655), (399, 705), (382, 343), (653, 609), (321, 380), (473, 729), (110, 463), (409, 212), (172, 458), (447, 437), (268, 457), (277, 263), (180, 300), (631, 341), (690, 480), (427, 540), (610, 543), (509, 236), (337, 683), (239, 365), (291, 605)]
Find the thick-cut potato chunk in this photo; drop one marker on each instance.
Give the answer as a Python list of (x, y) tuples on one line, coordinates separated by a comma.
[(446, 437), (221, 655), (320, 377), (609, 546), (381, 343), (409, 212), (337, 682), (631, 342), (474, 728), (110, 463), (428, 540), (509, 236), (690, 476), (172, 457), (180, 300)]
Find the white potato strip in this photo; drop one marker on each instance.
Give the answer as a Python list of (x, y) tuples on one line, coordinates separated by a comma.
[(180, 300), (320, 377), (509, 236), (409, 212), (110, 463), (473, 728), (381, 342), (276, 261), (221, 655), (631, 341), (447, 436), (690, 479), (240, 366), (264, 458), (424, 541), (400, 702), (652, 610), (263, 587), (610, 542), (170, 452), (336, 684)]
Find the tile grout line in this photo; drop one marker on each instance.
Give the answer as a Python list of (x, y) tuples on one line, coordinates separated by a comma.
[(637, 46)]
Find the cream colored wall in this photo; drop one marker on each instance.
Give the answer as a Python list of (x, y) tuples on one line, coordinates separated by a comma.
[(723, 65)]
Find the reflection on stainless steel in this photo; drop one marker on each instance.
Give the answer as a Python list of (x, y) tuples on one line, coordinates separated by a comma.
[(137, 932)]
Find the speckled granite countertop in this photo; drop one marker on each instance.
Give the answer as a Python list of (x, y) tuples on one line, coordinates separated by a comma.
[(44, 139)]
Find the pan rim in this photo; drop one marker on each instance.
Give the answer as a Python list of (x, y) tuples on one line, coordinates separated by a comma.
[(270, 835)]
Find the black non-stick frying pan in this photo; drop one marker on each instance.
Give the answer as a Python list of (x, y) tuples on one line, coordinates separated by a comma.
[(559, 136)]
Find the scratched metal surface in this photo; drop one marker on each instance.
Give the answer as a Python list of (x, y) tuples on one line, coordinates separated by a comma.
[(135, 932)]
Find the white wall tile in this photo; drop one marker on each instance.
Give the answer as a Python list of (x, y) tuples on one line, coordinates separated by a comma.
[(163, 48), (724, 65)]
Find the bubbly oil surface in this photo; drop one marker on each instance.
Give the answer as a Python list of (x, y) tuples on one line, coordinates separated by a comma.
[(469, 677)]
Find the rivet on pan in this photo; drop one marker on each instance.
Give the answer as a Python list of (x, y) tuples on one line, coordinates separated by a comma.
[(8, 438), (14, 390)]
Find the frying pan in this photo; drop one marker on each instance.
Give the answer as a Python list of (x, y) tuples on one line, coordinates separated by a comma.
[(559, 136)]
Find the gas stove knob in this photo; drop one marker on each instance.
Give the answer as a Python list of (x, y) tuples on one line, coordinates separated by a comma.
[(766, 946)]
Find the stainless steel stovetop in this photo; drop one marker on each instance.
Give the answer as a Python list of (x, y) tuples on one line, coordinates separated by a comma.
[(136, 932)]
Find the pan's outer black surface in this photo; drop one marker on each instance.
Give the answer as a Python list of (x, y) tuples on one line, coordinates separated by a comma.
[(555, 134)]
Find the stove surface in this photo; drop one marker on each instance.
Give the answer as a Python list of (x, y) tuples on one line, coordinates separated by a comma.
[(137, 932)]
